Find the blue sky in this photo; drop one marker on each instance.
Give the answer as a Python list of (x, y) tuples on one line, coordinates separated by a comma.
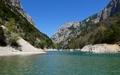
[(49, 15)]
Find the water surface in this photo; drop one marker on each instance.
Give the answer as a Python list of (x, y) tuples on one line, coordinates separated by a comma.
[(61, 63)]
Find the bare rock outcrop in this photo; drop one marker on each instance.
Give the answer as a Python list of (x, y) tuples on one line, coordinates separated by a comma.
[(102, 48), (64, 32), (18, 6)]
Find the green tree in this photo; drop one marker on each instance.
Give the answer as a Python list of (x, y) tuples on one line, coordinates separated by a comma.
[(101, 32), (43, 44), (11, 32), (55, 46), (112, 34)]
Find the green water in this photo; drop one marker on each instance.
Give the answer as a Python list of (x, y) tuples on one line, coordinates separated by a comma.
[(61, 63)]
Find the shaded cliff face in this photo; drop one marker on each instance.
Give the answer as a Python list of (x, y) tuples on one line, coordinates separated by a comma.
[(69, 36), (18, 6)]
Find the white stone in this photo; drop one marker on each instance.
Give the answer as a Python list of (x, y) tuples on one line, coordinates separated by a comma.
[(101, 48)]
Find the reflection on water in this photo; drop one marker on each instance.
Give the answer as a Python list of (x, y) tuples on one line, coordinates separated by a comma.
[(61, 63)]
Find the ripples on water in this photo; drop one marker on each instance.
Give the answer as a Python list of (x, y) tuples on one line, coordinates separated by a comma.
[(61, 63)]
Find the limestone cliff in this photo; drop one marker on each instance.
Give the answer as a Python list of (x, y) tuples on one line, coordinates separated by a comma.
[(18, 6), (64, 31), (67, 35)]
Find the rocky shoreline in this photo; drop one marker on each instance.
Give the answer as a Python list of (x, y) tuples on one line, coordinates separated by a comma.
[(101, 48)]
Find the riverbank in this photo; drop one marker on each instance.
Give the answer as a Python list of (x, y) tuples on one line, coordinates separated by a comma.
[(9, 51), (19, 53), (51, 49), (25, 49), (102, 48)]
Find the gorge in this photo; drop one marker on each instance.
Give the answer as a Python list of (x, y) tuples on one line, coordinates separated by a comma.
[(100, 28), (88, 47)]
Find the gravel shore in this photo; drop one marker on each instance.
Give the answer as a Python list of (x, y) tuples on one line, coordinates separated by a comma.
[(26, 49)]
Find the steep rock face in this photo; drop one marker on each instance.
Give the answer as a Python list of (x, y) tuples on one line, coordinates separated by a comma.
[(14, 25), (18, 6), (71, 30), (64, 31), (109, 10)]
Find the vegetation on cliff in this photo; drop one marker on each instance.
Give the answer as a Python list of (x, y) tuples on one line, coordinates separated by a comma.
[(17, 25), (106, 31)]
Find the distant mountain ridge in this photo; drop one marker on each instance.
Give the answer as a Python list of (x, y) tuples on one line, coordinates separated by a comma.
[(67, 35)]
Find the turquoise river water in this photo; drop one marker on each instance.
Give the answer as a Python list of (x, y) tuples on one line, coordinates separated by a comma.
[(61, 63)]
